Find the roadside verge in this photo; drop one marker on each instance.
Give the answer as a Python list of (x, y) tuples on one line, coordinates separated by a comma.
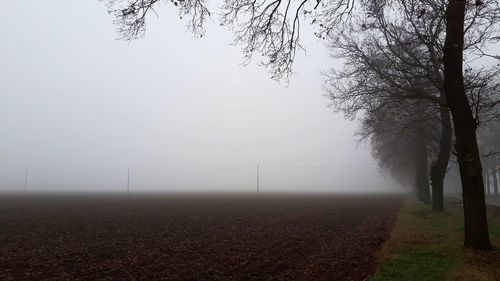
[(428, 246)]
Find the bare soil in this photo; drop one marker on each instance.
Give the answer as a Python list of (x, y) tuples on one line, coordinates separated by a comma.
[(193, 237)]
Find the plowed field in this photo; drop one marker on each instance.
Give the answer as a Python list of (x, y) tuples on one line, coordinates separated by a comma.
[(192, 237)]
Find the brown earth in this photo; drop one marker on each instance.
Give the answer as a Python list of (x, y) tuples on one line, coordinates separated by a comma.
[(193, 237)]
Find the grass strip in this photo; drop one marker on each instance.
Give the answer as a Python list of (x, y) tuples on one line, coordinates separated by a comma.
[(428, 246)]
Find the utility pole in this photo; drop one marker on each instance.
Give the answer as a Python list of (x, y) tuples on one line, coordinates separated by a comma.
[(128, 179), (26, 181), (258, 187)]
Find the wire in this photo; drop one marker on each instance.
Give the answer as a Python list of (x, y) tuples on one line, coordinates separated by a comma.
[(318, 167), (193, 170), (68, 172)]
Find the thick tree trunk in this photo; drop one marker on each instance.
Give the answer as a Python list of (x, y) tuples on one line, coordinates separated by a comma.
[(439, 167), (476, 225), (422, 168)]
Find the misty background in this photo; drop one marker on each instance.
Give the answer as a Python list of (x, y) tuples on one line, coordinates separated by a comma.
[(79, 107)]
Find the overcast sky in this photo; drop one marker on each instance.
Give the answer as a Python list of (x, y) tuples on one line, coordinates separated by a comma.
[(73, 98)]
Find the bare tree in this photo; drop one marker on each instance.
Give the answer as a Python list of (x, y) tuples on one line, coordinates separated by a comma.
[(389, 57), (476, 225), (385, 65), (401, 141), (467, 27), (131, 15), (489, 145), (270, 28)]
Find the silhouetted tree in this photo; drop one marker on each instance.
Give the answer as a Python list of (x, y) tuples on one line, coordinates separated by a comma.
[(476, 225), (401, 140), (392, 58), (489, 145), (386, 63)]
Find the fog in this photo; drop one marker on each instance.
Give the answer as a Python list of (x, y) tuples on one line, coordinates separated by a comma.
[(78, 108)]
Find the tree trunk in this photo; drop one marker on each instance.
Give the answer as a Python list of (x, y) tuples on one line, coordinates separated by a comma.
[(422, 168), (439, 167), (476, 225), (495, 180), (486, 179)]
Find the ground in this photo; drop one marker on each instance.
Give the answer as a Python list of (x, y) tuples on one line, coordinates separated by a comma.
[(195, 237), (428, 246), (493, 200)]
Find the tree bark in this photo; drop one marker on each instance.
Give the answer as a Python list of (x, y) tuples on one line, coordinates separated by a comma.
[(476, 225), (422, 168), (440, 166)]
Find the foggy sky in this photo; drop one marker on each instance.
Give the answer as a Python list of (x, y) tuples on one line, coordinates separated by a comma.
[(73, 99)]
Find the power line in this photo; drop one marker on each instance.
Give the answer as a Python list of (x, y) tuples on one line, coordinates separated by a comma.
[(73, 172), (257, 168), (319, 166), (192, 170)]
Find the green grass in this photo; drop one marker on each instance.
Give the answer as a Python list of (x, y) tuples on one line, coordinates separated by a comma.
[(427, 246), (495, 230)]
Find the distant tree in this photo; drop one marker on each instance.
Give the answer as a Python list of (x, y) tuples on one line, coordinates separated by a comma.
[(489, 145), (401, 140), (385, 64)]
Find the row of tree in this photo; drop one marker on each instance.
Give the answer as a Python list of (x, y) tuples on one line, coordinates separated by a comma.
[(404, 76), (394, 74), (489, 142), (397, 73)]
